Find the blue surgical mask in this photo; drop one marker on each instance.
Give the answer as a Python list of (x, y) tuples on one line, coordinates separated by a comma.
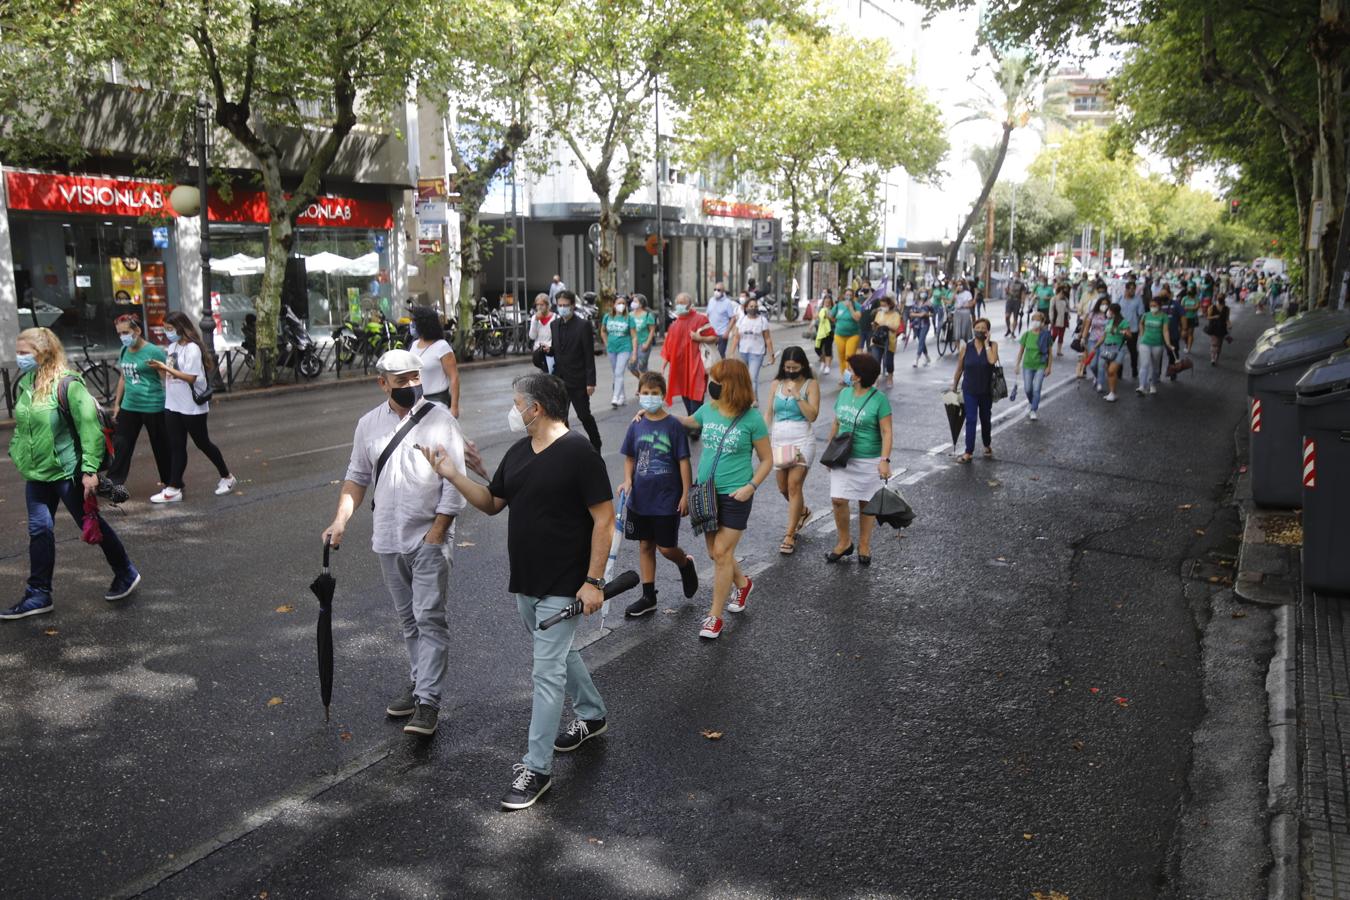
[(170, 336), (650, 402), (848, 376), (565, 311), (412, 329), (127, 340), (681, 309), (27, 362)]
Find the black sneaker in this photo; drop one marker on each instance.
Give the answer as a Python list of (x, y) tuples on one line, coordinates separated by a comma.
[(404, 705), (423, 720), (526, 788), (689, 579), (641, 606), (111, 491), (578, 733), (123, 584)]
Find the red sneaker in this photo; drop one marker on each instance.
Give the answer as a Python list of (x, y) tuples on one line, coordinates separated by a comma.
[(743, 594), (712, 627)]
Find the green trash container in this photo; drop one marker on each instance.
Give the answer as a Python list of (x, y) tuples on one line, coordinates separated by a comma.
[(1324, 420), (1274, 366)]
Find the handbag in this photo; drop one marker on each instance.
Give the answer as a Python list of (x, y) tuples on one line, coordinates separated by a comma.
[(840, 448), (788, 456), (1076, 345), (703, 496), (998, 383), (881, 337), (202, 391)]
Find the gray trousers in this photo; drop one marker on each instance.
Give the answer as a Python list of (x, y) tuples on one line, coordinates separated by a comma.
[(417, 583)]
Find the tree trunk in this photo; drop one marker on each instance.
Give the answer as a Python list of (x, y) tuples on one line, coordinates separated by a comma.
[(280, 241), (1328, 47), (470, 267), (607, 275), (794, 257), (955, 251)]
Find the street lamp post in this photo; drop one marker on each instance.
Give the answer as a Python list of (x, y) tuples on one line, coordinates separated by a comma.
[(207, 325), (658, 287)]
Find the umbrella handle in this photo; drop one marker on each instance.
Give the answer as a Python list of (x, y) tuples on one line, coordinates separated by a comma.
[(327, 548)]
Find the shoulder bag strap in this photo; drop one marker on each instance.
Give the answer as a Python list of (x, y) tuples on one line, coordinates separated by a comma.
[(63, 407), (712, 473), (862, 407), (390, 447)]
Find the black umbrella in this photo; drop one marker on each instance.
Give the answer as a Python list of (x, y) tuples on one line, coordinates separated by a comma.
[(889, 508), (956, 413), (323, 588)]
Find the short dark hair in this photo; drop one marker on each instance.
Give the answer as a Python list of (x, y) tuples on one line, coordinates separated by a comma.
[(546, 390), (428, 323), (866, 368), (652, 380), (795, 354), (567, 295)]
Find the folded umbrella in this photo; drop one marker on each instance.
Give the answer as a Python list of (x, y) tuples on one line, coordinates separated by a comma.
[(323, 588), (956, 413), (90, 532), (889, 508)]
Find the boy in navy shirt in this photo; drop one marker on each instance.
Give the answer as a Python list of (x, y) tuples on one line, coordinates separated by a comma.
[(657, 477)]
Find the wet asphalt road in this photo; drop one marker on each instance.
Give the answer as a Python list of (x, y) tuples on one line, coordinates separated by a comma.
[(1003, 704)]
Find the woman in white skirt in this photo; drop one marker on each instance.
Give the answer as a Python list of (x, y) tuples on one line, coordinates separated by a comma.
[(795, 394), (865, 412)]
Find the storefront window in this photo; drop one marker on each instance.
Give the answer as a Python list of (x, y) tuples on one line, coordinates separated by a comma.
[(76, 275), (342, 269)]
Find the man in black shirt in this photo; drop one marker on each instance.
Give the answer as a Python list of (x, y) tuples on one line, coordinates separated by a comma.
[(574, 361), (557, 538)]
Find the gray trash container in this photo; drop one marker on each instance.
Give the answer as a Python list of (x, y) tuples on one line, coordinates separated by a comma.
[(1274, 367), (1324, 420)]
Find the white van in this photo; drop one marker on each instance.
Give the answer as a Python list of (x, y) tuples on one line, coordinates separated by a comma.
[(1269, 265)]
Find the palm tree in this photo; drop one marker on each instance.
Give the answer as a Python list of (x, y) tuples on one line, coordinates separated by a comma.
[(1023, 97)]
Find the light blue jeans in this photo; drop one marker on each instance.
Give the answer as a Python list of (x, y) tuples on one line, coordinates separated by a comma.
[(558, 669), (618, 364), (754, 362), (1032, 380)]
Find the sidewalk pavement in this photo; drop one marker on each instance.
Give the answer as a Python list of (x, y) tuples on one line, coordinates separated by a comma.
[(1309, 692)]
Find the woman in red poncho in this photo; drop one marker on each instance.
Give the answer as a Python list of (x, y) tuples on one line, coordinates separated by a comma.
[(685, 376)]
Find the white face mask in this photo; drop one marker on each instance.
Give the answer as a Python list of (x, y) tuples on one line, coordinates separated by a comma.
[(619, 308), (1036, 325), (515, 420)]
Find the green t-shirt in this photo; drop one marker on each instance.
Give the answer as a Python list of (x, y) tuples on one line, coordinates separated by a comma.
[(736, 465), (1031, 350), (1043, 294), (1151, 329), (144, 391), (844, 324), (1115, 332), (617, 330), (643, 322), (1191, 305), (874, 407)]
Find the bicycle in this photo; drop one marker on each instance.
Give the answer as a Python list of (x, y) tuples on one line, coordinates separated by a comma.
[(96, 373), (946, 335)]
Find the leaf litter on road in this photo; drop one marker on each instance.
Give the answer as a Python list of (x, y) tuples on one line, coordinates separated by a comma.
[(285, 608), (275, 701), (711, 735)]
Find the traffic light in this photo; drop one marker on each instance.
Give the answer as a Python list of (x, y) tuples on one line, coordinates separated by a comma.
[(1233, 206)]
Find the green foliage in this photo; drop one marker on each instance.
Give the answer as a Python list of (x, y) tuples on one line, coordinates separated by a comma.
[(1043, 217)]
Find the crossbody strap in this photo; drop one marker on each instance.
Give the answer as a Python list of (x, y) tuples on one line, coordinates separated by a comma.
[(393, 445), (712, 473), (861, 409)]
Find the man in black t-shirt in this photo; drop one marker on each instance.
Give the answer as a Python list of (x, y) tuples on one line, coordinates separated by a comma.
[(557, 538)]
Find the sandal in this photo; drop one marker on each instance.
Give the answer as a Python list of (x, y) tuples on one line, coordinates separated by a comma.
[(788, 546), (801, 520), (963, 458), (988, 452)]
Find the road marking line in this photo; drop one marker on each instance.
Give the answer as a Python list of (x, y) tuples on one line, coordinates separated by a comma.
[(308, 452), (1018, 409)]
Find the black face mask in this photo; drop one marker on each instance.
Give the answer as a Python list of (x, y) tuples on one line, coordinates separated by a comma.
[(406, 397), (792, 376), (714, 390)]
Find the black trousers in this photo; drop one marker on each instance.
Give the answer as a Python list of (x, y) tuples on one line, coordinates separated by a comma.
[(128, 431), (1132, 344), (179, 426), (581, 404)]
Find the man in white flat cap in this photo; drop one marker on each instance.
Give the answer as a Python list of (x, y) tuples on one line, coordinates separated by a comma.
[(413, 529)]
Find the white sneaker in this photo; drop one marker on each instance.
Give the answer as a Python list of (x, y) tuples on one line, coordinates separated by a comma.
[(1110, 398), (225, 485), (1153, 389), (1099, 388), (1033, 416), (1139, 391), (168, 495)]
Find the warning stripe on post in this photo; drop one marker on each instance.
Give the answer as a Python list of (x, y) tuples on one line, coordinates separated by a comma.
[(1309, 463), (1256, 415)]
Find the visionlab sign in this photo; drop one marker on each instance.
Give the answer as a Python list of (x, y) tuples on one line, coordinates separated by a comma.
[(90, 195)]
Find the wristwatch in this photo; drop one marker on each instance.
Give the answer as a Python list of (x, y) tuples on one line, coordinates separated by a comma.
[(598, 582)]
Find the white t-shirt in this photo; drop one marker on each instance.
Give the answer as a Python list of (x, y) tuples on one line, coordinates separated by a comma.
[(434, 379), (185, 357), (965, 300), (751, 331)]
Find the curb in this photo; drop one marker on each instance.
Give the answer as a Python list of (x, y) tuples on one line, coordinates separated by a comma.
[(1282, 778)]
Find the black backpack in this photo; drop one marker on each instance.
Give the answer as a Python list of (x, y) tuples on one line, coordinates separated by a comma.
[(105, 422)]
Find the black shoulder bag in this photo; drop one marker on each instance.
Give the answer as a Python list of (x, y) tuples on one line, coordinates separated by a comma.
[(702, 496), (840, 448), (390, 447)]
